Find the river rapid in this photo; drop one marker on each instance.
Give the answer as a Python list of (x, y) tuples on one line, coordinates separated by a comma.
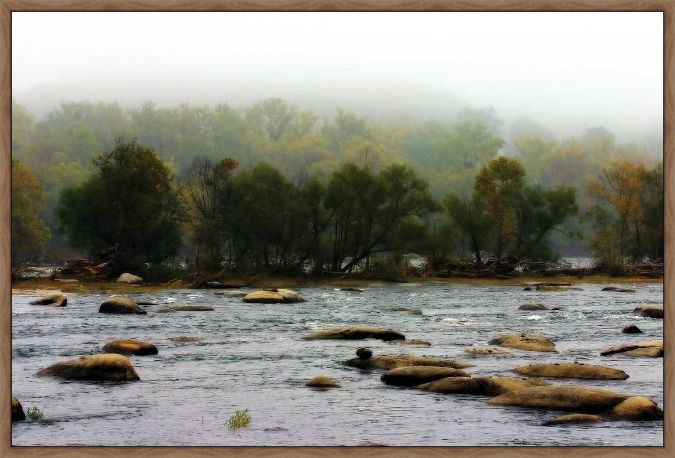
[(252, 356)]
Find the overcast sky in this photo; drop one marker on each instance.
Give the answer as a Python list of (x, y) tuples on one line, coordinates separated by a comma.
[(608, 64)]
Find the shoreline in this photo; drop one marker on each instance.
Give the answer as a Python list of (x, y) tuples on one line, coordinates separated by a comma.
[(33, 286)]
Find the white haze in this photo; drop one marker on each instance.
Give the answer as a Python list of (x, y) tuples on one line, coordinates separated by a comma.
[(566, 71)]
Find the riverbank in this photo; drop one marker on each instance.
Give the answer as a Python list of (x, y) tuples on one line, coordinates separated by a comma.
[(34, 286)]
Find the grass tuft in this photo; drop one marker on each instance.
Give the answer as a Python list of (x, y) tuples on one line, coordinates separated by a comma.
[(35, 414), (240, 419)]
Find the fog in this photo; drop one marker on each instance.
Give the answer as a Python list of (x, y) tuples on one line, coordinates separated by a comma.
[(566, 71)]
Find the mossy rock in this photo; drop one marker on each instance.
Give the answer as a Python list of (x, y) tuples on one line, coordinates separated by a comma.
[(103, 367), (653, 348), (388, 362), (17, 410), (322, 381), (483, 386), (355, 333), (55, 300), (572, 370), (121, 305), (530, 342), (273, 296), (130, 347), (416, 375), (649, 311)]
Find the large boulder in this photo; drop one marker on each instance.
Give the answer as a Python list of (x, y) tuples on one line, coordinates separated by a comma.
[(387, 362), (322, 381), (649, 311), (273, 296), (102, 367), (581, 400), (355, 333), (532, 307), (130, 279), (653, 348), (416, 375), (55, 300), (571, 370), (121, 305), (130, 347), (17, 410), (185, 308), (531, 342), (484, 386)]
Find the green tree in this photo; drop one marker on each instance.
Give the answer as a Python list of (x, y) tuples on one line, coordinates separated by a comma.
[(128, 208), (473, 219), (29, 234)]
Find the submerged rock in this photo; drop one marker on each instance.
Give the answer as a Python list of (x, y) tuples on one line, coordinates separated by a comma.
[(322, 381), (130, 279), (412, 342), (649, 311), (17, 410), (416, 375), (351, 289), (645, 348), (184, 339), (571, 370), (393, 361), (631, 329), (235, 293), (55, 300), (364, 353), (475, 351), (582, 400), (573, 419), (121, 305), (618, 289), (185, 308), (531, 342), (355, 333), (130, 347), (484, 386), (103, 367), (273, 296), (532, 307)]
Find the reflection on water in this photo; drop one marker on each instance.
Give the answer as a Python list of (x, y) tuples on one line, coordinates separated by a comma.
[(252, 356)]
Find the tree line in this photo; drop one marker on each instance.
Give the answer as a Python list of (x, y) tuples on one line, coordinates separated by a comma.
[(307, 155)]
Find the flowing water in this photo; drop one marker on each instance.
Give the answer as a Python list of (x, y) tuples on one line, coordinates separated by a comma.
[(253, 357)]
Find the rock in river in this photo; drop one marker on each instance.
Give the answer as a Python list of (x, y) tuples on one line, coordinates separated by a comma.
[(416, 375), (130, 279), (531, 342), (393, 361), (573, 418), (55, 300), (130, 347), (618, 289), (571, 370), (355, 333), (235, 293), (631, 329), (652, 348), (486, 351), (649, 311), (582, 400), (185, 308), (273, 296), (485, 386), (17, 410), (322, 381), (532, 307), (102, 367), (121, 305)]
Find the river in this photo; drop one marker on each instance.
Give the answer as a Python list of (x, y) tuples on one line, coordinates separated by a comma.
[(253, 357)]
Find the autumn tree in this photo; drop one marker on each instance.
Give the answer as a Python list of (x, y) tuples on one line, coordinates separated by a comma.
[(29, 233)]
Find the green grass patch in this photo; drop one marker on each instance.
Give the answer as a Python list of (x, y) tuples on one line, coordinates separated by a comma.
[(240, 419), (35, 414)]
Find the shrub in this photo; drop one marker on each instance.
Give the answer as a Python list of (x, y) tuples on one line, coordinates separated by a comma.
[(240, 419)]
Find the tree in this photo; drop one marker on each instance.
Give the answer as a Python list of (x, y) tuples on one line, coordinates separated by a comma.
[(472, 217), (129, 208), (207, 188), (29, 234), (500, 184)]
